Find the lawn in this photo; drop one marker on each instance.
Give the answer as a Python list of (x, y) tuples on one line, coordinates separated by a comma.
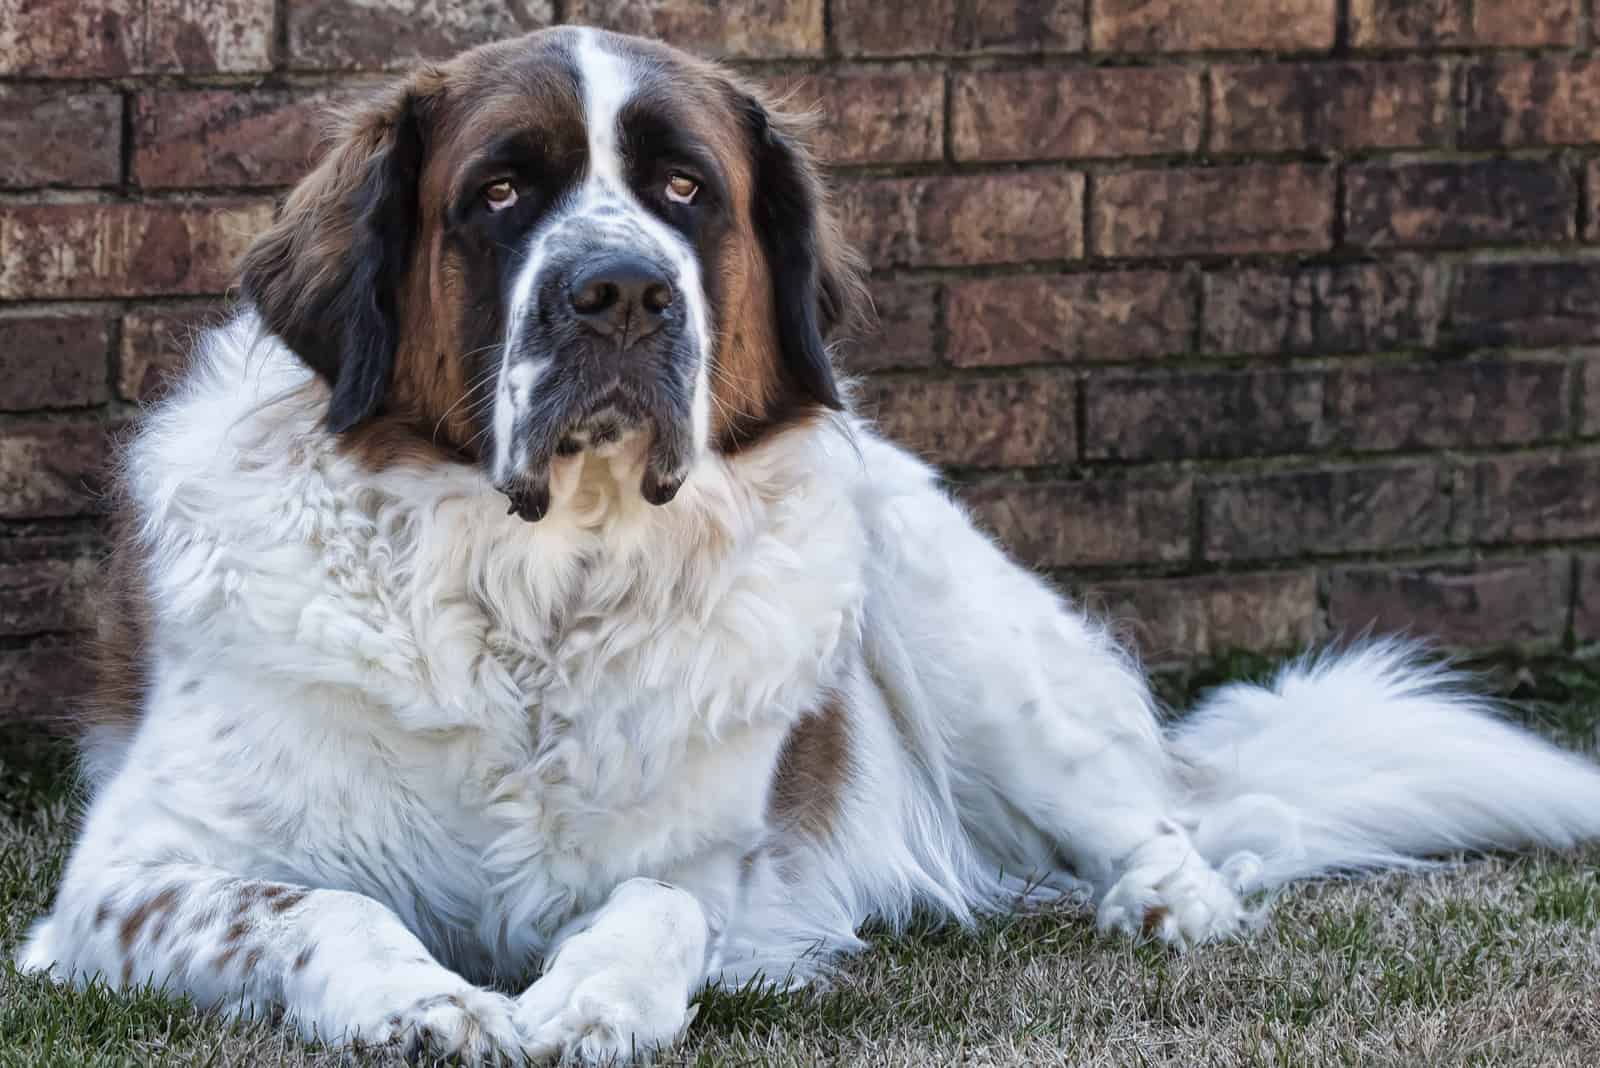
[(1494, 961)]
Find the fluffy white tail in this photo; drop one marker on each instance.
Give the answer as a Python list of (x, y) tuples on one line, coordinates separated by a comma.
[(1371, 758)]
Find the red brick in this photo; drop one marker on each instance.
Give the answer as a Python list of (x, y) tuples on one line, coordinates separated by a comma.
[(748, 28), (53, 361), (225, 137), (872, 27), (1468, 606), (1292, 107), (963, 221), (1211, 614), (1586, 614), (1016, 421), (873, 114), (1202, 414), (1551, 101), (43, 682), (109, 250), (1076, 113), (340, 35), (1448, 405), (48, 470), (1218, 211), (71, 139), (1591, 181), (1536, 498), (156, 343), (1443, 204), (1090, 523), (1541, 303), (1068, 318), (1339, 510), (904, 334), (1431, 23), (200, 36), (1205, 25), (1359, 308), (72, 38), (45, 588)]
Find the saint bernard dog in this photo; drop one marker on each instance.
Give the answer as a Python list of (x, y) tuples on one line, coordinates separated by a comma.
[(513, 629)]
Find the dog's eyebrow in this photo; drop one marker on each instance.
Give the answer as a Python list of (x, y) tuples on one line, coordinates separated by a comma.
[(649, 134)]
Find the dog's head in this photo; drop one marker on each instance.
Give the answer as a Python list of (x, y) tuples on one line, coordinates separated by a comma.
[(552, 244)]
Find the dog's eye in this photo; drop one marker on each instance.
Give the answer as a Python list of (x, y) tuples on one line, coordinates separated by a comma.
[(499, 195), (681, 189)]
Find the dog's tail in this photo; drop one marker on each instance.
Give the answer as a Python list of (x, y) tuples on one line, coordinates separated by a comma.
[(1372, 758)]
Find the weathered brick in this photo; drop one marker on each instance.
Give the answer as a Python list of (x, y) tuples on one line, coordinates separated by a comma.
[(225, 137), (1219, 211), (871, 27), (45, 588), (53, 361), (1586, 609), (340, 35), (1291, 107), (1448, 405), (42, 682), (1359, 308), (1090, 523), (1591, 180), (1536, 498), (1017, 421), (1526, 303), (1474, 605), (1338, 510), (1203, 414), (108, 250), (1432, 204), (750, 28), (1078, 113), (156, 343), (1000, 218), (57, 138), (872, 114), (1431, 23), (72, 38), (1211, 614), (905, 331), (1589, 370), (1067, 318), (1191, 26), (1515, 102), (49, 470), (200, 36)]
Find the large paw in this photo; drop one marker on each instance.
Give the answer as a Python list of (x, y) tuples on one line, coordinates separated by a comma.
[(477, 1026), (1168, 891), (612, 1017)]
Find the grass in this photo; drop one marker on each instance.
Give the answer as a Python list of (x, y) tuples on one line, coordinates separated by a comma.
[(1491, 962)]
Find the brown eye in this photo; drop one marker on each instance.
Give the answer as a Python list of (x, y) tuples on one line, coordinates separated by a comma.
[(499, 195), (681, 189)]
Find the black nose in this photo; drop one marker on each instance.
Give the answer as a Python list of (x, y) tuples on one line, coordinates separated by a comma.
[(620, 296)]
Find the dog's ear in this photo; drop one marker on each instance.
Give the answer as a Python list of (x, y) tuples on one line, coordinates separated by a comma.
[(325, 278), (816, 278)]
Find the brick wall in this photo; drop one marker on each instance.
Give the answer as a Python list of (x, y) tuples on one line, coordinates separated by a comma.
[(1256, 320)]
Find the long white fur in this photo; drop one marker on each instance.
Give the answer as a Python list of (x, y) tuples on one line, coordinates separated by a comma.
[(399, 744)]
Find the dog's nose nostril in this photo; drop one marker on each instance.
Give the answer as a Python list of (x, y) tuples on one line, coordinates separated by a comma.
[(624, 296)]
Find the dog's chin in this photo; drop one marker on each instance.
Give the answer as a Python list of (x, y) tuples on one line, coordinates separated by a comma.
[(624, 438)]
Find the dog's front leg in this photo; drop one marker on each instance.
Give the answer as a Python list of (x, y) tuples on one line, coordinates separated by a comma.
[(618, 988)]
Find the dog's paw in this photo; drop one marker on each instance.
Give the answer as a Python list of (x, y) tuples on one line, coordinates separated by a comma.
[(476, 1026), (1169, 892), (611, 1017)]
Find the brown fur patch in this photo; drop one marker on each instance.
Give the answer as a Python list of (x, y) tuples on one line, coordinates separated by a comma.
[(162, 903), (102, 914), (808, 787), (224, 958), (284, 898), (302, 959)]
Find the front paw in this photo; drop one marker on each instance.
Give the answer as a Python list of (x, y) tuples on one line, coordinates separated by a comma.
[(476, 1026), (610, 1017)]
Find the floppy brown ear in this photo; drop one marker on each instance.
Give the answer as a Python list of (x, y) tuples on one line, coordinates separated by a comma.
[(816, 278), (325, 278)]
